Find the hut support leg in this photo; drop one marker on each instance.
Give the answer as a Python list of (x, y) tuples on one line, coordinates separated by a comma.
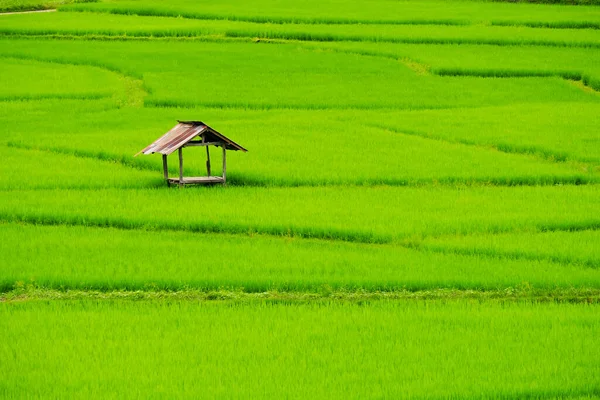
[(224, 164), (180, 167), (207, 161), (166, 169)]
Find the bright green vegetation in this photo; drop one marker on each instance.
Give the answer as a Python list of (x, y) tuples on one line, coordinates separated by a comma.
[(51, 257), (257, 76), (136, 26), (378, 12), (570, 247), (418, 214), (558, 132), (487, 61), (35, 80), (303, 156), (379, 214), (329, 349), (28, 5), (50, 171)]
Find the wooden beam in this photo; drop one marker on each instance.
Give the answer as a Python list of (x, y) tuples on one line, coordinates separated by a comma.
[(166, 169), (180, 167), (198, 143), (224, 164), (207, 162)]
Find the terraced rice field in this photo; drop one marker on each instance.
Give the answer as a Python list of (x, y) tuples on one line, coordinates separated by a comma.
[(417, 215)]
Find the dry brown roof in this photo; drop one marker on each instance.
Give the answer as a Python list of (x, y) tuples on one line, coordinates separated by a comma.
[(184, 132)]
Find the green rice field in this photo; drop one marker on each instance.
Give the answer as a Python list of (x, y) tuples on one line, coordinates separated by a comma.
[(417, 215), (329, 349)]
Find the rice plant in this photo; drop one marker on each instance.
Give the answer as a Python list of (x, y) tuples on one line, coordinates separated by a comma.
[(323, 349)]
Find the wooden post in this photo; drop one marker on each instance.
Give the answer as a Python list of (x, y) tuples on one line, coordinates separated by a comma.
[(166, 169), (224, 164), (180, 167), (207, 161)]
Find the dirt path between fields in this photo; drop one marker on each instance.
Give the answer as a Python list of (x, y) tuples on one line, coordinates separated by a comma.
[(27, 12)]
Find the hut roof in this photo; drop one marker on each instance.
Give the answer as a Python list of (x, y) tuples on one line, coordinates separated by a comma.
[(184, 132)]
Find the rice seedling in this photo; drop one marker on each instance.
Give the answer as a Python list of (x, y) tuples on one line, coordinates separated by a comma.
[(29, 5), (379, 12), (554, 131), (329, 349), (384, 171), (564, 247), (489, 61), (377, 214), (82, 257), (137, 26), (385, 157), (34, 169), (36, 80), (266, 77)]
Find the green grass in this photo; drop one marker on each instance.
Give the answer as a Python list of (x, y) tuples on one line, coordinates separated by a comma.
[(51, 257), (329, 349)]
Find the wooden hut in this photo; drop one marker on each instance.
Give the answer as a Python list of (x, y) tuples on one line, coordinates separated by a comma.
[(192, 134)]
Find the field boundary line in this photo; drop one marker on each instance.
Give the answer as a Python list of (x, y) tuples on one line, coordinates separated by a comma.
[(503, 254), (98, 156), (262, 20), (22, 292), (507, 148), (581, 80), (313, 37), (242, 230), (29, 12), (134, 87), (330, 235), (584, 80), (158, 103), (36, 97), (414, 245), (140, 12)]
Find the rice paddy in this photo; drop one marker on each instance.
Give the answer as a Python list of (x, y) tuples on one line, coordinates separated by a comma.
[(384, 349), (417, 215)]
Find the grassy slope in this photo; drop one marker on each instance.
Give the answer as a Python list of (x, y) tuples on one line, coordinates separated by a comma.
[(259, 350)]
